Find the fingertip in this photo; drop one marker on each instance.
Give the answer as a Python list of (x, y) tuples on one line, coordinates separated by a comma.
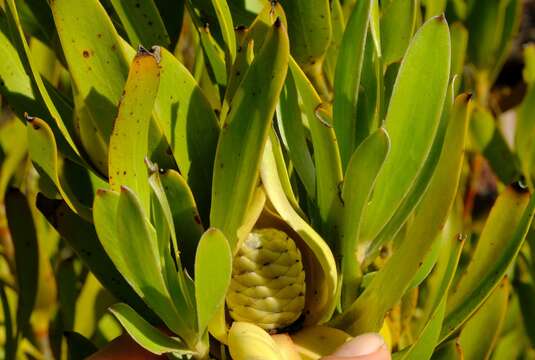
[(369, 346), (364, 344)]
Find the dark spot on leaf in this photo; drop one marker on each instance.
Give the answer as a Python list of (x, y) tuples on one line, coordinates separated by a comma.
[(197, 219), (86, 53)]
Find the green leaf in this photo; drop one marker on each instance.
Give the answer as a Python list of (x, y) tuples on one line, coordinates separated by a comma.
[(119, 217), (147, 335), (418, 188), (91, 304), (213, 270), (525, 293), (369, 92), (15, 148), (143, 261), (398, 22), (63, 129), (359, 180), (24, 234), (79, 347), (294, 135), (187, 222), (227, 27), (524, 139), (326, 155), (175, 278), (427, 339), (15, 85), (449, 351), (347, 79), (244, 134), (190, 126), (129, 143), (423, 348), (97, 64), (82, 238), (44, 155), (500, 241), (321, 294), (480, 334), (418, 95), (368, 311), (309, 28), (142, 22), (282, 169), (338, 26), (213, 53), (529, 64)]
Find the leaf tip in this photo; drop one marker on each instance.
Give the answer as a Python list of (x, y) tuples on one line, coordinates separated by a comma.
[(101, 192), (154, 51), (440, 18), (520, 186), (151, 167)]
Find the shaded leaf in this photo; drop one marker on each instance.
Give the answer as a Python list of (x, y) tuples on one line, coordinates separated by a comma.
[(146, 335)]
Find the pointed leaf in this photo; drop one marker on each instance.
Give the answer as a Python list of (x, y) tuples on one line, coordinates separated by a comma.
[(63, 129), (44, 155), (326, 155), (362, 170), (187, 222), (309, 28), (480, 334), (82, 238), (497, 247), (428, 337), (294, 133), (93, 52), (245, 132), (347, 79), (412, 119), (190, 126), (129, 142), (227, 28), (368, 311), (147, 335), (397, 25)]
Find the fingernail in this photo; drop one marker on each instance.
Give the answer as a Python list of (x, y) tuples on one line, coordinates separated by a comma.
[(364, 344)]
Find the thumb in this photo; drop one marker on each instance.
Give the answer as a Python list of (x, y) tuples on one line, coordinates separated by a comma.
[(369, 346)]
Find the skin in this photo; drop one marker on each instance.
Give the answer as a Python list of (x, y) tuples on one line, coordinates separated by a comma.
[(364, 347)]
